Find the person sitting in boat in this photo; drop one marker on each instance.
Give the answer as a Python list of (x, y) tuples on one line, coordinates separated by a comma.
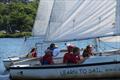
[(52, 47), (56, 51), (32, 53), (88, 51), (76, 57), (67, 56), (47, 58)]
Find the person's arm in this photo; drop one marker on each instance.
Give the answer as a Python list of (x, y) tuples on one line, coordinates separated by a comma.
[(82, 59), (84, 53), (64, 59)]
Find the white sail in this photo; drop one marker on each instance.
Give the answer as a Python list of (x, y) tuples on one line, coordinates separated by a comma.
[(42, 18), (81, 19), (118, 17)]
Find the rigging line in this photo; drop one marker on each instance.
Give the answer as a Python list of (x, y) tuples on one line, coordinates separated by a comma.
[(101, 48), (97, 45), (117, 42), (107, 44), (118, 39)]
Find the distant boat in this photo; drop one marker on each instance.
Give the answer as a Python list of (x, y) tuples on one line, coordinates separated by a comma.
[(73, 20)]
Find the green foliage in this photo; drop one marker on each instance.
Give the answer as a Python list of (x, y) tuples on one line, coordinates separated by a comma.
[(17, 16), (18, 35)]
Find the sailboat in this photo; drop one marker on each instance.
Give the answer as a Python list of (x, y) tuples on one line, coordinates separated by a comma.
[(73, 20)]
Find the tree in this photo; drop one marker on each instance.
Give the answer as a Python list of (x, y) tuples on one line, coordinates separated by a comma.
[(17, 16)]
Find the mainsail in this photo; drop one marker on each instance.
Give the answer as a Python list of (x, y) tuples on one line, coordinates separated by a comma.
[(77, 19)]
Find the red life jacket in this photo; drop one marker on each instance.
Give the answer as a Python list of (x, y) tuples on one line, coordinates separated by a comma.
[(71, 58), (34, 54), (48, 59)]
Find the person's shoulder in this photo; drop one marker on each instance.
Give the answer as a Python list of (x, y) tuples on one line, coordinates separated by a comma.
[(56, 50), (66, 54), (84, 49)]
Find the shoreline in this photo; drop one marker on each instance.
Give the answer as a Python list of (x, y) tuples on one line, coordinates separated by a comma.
[(15, 35)]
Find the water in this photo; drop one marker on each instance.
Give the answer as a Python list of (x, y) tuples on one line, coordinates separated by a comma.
[(19, 46), (13, 47)]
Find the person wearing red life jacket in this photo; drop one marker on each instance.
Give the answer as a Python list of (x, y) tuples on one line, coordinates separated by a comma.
[(76, 57), (32, 53), (47, 58), (67, 56)]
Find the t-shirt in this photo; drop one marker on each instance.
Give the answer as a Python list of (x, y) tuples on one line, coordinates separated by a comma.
[(71, 58), (56, 52)]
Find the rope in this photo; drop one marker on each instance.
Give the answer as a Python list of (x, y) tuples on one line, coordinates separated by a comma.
[(107, 44)]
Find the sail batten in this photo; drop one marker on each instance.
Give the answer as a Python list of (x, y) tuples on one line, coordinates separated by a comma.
[(81, 19)]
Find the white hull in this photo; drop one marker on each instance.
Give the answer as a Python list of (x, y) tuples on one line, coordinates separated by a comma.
[(7, 64), (105, 69), (11, 61), (73, 71)]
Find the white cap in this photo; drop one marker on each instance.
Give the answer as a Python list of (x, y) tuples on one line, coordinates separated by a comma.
[(90, 45), (69, 44), (56, 45)]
